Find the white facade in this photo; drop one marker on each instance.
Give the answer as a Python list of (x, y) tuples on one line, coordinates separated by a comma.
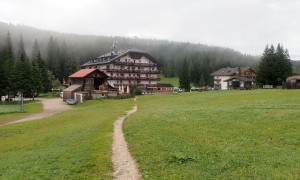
[(131, 67), (219, 82)]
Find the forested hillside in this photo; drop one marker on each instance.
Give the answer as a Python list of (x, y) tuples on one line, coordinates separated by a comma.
[(64, 52)]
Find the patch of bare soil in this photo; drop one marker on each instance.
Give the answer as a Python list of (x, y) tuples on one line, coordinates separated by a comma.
[(124, 165), (50, 107)]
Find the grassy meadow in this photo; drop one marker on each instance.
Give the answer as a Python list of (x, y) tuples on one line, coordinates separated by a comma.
[(174, 80), (75, 144), (217, 135), (29, 107)]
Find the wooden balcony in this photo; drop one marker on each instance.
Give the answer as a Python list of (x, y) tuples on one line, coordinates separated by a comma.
[(133, 71), (134, 64), (138, 84), (133, 78)]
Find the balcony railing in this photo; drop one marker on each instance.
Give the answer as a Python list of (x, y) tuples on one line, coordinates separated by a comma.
[(133, 71), (139, 84), (133, 78), (134, 64)]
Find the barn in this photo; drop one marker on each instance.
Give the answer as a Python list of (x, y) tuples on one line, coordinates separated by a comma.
[(91, 83), (293, 82)]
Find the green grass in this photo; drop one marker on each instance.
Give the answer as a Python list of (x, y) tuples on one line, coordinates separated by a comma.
[(50, 95), (75, 144), (217, 135), (174, 80), (30, 107)]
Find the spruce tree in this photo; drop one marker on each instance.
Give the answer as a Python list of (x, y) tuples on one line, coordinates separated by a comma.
[(23, 73), (24, 76), (51, 54), (274, 66), (36, 79), (35, 50), (3, 79), (202, 81), (41, 66), (184, 77), (8, 66)]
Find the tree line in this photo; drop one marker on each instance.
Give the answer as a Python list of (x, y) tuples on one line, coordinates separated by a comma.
[(64, 53), (19, 74)]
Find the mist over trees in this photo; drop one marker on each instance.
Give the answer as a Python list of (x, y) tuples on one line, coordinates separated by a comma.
[(64, 53), (19, 74)]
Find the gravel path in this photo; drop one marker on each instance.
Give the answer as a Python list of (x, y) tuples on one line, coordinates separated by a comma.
[(124, 165), (50, 107)]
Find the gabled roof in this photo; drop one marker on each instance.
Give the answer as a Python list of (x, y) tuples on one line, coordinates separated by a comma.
[(112, 56), (84, 72), (229, 71)]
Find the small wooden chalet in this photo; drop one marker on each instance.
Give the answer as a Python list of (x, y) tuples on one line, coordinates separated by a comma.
[(293, 82), (91, 83), (234, 78)]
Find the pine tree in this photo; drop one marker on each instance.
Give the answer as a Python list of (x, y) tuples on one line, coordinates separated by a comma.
[(36, 79), (35, 50), (184, 77), (23, 73), (8, 67), (41, 65), (21, 49), (274, 66), (202, 81), (24, 76), (3, 79), (51, 54)]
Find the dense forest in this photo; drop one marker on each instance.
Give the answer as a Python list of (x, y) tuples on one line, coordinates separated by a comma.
[(64, 52)]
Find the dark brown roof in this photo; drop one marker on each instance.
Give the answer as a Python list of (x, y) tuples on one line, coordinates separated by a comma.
[(229, 71), (112, 56), (245, 79)]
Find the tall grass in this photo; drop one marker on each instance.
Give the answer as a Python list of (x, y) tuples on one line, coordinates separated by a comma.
[(75, 144), (217, 134)]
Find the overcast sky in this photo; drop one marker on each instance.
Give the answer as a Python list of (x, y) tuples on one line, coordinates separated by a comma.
[(244, 25)]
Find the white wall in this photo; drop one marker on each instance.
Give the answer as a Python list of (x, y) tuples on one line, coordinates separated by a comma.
[(223, 84)]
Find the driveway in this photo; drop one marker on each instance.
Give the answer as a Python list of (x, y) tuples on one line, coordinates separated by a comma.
[(50, 107)]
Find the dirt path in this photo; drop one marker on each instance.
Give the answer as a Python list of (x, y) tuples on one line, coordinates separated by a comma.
[(50, 107), (124, 165)]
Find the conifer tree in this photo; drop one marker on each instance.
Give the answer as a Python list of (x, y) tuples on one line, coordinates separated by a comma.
[(3, 79), (51, 54), (202, 81), (184, 77), (24, 76), (41, 66), (274, 66), (36, 79), (23, 73), (8, 66), (21, 49), (35, 49)]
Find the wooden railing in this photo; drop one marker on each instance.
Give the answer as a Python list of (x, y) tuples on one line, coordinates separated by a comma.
[(134, 64), (133, 78), (133, 71)]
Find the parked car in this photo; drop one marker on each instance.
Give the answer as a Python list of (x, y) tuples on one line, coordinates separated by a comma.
[(195, 88)]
